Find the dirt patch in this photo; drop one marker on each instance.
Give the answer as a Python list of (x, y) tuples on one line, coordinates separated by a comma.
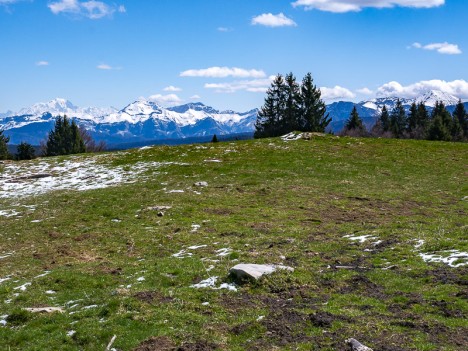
[(447, 275), (324, 319), (219, 211), (198, 346), (286, 327), (363, 285), (152, 297), (160, 343)]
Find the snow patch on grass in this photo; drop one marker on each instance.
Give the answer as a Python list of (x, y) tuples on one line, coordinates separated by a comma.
[(453, 258), (211, 284)]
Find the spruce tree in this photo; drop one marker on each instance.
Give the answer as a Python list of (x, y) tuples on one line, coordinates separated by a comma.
[(25, 151), (354, 122), (4, 154), (385, 119), (313, 110), (292, 110), (441, 123), (398, 120), (214, 139), (412, 118), (64, 139), (461, 116), (270, 117)]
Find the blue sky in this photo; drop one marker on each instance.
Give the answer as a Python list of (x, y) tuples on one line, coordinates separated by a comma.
[(223, 52)]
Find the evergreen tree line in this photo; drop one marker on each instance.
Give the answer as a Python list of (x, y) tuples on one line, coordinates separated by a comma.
[(417, 124), (66, 138), (290, 106)]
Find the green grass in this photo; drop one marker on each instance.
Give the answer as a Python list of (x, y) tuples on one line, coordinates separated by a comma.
[(268, 201)]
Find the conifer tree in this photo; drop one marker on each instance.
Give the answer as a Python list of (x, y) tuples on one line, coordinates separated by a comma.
[(25, 151), (398, 120), (64, 139), (441, 126), (270, 117), (292, 110), (412, 117), (461, 116), (4, 154), (214, 139), (354, 122), (313, 112), (385, 119)]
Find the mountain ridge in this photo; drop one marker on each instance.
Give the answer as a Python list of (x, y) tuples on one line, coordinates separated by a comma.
[(147, 120)]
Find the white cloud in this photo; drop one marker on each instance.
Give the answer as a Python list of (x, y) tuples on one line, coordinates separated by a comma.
[(253, 86), (42, 63), (365, 91), (166, 100), (336, 93), (195, 97), (458, 88), (7, 2), (106, 67), (223, 72), (441, 48), (172, 88), (91, 9), (224, 29), (270, 20), (341, 6)]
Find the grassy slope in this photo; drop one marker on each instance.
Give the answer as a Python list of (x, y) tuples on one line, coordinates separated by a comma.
[(270, 202)]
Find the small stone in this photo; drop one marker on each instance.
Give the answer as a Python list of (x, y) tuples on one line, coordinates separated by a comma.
[(255, 271)]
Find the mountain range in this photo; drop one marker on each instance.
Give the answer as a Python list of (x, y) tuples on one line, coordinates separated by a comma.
[(145, 121)]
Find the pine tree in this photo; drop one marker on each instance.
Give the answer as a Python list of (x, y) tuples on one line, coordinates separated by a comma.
[(25, 151), (292, 110), (270, 117), (412, 118), (313, 110), (4, 154), (214, 139), (461, 116), (64, 139), (398, 120), (354, 122), (441, 126), (385, 119)]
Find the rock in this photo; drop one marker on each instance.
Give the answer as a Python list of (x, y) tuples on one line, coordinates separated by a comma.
[(356, 345), (201, 184), (45, 310), (250, 271)]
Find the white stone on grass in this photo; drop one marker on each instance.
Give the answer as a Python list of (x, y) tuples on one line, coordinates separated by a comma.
[(201, 184), (255, 271)]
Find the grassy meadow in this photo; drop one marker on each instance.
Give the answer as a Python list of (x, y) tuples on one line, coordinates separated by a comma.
[(353, 217)]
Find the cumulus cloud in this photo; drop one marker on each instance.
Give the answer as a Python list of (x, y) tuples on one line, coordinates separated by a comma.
[(341, 6), (441, 48), (172, 88), (365, 91), (271, 20), (458, 88), (223, 72), (253, 86), (166, 100), (42, 63), (91, 9), (336, 93)]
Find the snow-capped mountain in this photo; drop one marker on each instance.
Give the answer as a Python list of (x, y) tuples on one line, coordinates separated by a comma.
[(141, 120), (145, 120), (60, 107)]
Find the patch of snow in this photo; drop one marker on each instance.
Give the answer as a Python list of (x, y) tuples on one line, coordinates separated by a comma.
[(361, 239), (205, 304), (223, 252), (6, 255), (50, 292), (448, 257), (175, 191), (213, 161), (211, 284), (291, 136), (3, 319), (419, 244), (37, 221), (260, 318), (90, 307), (145, 147), (195, 228), (71, 333), (22, 287), (141, 279), (78, 173), (195, 247), (4, 279), (42, 275), (9, 213), (182, 254)]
